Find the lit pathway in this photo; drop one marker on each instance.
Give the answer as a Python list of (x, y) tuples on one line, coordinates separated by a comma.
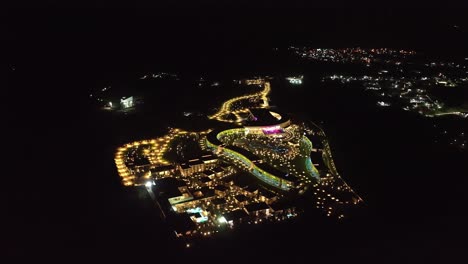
[(227, 106)]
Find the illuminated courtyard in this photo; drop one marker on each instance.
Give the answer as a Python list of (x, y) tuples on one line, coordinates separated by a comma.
[(250, 172)]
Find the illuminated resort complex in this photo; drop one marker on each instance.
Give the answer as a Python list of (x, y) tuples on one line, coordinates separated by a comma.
[(248, 170)]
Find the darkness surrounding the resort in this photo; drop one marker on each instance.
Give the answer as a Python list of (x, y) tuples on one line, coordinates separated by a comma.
[(63, 198)]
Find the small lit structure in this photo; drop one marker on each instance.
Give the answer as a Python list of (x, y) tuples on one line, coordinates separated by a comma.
[(164, 170), (127, 102), (295, 80), (187, 168), (382, 103), (180, 195)]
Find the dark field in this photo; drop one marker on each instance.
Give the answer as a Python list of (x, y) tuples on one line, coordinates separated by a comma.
[(63, 197)]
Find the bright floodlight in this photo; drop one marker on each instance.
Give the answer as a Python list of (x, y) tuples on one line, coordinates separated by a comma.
[(148, 184), (222, 220), (295, 80)]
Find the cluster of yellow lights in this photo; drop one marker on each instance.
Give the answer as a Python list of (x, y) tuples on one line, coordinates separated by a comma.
[(327, 191), (154, 150), (285, 161), (228, 106)]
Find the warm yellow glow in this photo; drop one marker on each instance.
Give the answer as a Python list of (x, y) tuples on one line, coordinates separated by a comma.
[(154, 151), (227, 107)]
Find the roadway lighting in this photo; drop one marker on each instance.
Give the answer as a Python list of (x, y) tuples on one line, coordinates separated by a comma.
[(148, 184)]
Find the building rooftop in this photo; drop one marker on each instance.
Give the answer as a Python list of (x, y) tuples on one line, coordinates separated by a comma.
[(225, 165), (141, 161), (205, 179), (195, 162), (241, 198), (184, 166), (169, 182), (207, 192), (208, 172), (170, 193), (162, 168), (140, 174), (218, 201), (217, 169), (241, 179), (268, 194), (221, 188), (278, 206), (251, 188), (208, 157), (254, 207), (235, 215)]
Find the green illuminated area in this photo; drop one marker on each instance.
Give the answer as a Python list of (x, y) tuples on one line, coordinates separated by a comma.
[(243, 162), (288, 156)]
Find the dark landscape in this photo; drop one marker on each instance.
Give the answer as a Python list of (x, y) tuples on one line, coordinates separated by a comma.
[(63, 196)]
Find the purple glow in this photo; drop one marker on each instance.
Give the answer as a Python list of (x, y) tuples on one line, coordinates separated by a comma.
[(272, 130)]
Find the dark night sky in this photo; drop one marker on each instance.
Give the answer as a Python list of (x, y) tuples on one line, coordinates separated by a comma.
[(119, 37), (101, 43), (57, 53)]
